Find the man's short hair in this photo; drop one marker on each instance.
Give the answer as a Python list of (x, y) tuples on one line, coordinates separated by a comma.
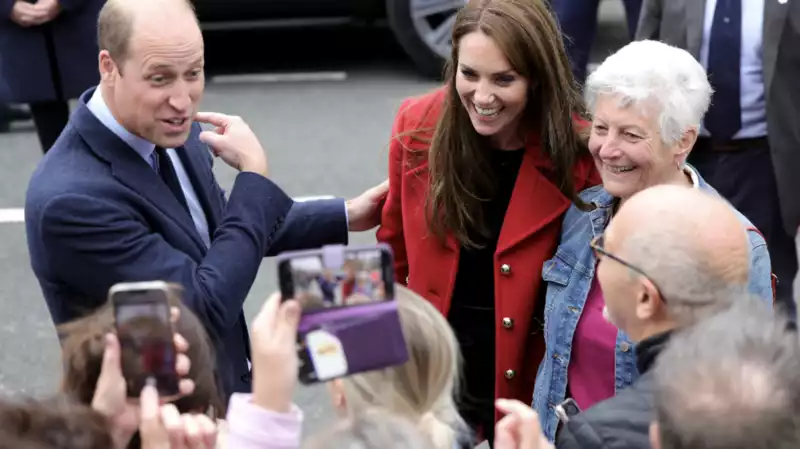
[(115, 27), (731, 382)]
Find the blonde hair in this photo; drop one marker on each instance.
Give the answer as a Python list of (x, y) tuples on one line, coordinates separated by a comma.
[(372, 429), (421, 390)]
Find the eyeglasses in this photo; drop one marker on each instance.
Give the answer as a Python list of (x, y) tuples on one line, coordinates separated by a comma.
[(597, 245)]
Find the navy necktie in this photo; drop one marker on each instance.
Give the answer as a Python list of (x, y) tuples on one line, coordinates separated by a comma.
[(724, 117), (170, 177)]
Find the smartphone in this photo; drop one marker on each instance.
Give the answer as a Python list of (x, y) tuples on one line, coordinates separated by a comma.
[(145, 333), (567, 409), (350, 322)]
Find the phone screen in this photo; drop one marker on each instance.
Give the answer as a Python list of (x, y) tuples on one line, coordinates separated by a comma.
[(146, 339), (359, 277), (350, 323)]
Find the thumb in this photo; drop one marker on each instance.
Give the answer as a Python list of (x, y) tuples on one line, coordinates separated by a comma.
[(150, 426), (504, 433), (112, 365), (212, 139)]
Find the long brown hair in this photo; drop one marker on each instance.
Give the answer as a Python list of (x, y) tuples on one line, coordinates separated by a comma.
[(528, 35)]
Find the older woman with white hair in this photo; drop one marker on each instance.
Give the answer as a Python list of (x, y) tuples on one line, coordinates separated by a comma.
[(647, 101)]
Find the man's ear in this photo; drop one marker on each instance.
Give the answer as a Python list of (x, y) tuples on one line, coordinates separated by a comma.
[(655, 435)]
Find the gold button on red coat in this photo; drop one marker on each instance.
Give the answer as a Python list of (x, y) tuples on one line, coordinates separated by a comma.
[(508, 323), (510, 374), (505, 269)]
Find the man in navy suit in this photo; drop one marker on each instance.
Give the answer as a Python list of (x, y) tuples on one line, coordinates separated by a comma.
[(127, 192)]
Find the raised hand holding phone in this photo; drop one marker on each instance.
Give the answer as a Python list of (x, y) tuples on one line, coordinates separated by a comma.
[(275, 362)]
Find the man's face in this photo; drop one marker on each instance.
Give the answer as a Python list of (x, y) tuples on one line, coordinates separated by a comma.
[(156, 90), (619, 284)]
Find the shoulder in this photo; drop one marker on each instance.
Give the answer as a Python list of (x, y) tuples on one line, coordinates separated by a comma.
[(594, 195), (755, 236), (422, 111)]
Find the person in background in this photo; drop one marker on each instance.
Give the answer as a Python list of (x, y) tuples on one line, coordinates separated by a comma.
[(729, 382), (481, 172), (9, 113), (578, 21), (647, 101), (48, 55), (748, 140), (671, 257)]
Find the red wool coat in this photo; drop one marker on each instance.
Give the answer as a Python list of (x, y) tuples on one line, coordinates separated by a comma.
[(529, 237)]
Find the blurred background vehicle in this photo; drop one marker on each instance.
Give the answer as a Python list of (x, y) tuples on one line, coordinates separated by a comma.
[(421, 27)]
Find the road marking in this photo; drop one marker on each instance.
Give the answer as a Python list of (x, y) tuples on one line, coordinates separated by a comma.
[(17, 214), (13, 215), (298, 77)]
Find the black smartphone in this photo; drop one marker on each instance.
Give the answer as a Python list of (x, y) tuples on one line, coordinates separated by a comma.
[(567, 409), (350, 322), (145, 333)]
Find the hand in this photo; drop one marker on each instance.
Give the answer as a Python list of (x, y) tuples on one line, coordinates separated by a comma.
[(163, 427), (26, 14), (520, 428), (275, 363), (234, 142), (110, 396), (49, 10), (364, 211)]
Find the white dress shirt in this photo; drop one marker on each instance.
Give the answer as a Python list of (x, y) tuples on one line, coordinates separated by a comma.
[(145, 149), (753, 100)]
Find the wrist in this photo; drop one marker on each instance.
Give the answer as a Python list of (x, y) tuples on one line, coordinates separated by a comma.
[(270, 399)]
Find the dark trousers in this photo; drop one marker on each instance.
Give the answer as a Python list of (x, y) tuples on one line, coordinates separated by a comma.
[(742, 172), (578, 20), (50, 118)]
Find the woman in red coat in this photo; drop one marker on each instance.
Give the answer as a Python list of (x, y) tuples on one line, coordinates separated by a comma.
[(481, 172)]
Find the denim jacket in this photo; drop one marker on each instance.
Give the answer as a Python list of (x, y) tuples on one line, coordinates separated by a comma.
[(569, 276)]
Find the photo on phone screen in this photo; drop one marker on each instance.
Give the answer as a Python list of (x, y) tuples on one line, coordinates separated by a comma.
[(358, 279), (350, 322), (145, 335)]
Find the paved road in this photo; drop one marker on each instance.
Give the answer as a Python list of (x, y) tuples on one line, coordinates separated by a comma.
[(326, 137)]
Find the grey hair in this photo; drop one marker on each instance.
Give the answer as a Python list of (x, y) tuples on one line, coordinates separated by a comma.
[(731, 382), (654, 71), (372, 429), (693, 288)]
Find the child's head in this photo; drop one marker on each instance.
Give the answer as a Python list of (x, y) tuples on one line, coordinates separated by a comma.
[(422, 389)]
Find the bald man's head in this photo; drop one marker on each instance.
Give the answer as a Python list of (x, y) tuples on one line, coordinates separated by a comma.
[(691, 245), (118, 19)]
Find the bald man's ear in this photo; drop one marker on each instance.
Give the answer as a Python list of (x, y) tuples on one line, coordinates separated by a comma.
[(649, 301), (655, 435)]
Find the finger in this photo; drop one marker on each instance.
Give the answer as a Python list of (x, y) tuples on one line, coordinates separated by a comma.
[(111, 358), (150, 411), (183, 364), (381, 189), (174, 314), (191, 432), (268, 314), (186, 386), (212, 139), (181, 344), (208, 430), (173, 424), (504, 433), (213, 118), (528, 426), (286, 327)]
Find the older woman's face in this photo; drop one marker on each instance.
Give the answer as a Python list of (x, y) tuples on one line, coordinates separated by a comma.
[(627, 147), (493, 94)]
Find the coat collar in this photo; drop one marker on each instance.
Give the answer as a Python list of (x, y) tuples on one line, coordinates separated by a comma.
[(132, 170)]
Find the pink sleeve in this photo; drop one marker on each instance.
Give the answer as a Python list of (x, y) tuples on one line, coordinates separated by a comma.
[(253, 427)]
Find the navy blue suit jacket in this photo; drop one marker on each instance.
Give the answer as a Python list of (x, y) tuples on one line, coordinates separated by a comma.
[(97, 214)]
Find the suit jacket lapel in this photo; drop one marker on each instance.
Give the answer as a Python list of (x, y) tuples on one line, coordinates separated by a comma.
[(775, 14), (130, 169), (695, 18)]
